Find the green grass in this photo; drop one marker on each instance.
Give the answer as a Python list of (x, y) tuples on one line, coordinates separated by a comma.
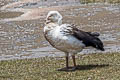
[(92, 67)]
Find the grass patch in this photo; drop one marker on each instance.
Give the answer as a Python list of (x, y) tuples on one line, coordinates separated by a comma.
[(92, 67)]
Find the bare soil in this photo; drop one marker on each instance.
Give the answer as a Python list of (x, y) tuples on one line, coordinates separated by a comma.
[(21, 27)]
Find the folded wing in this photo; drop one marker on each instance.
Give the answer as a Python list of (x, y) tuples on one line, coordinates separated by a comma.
[(88, 38)]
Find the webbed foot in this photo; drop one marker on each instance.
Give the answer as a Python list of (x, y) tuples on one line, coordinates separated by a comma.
[(68, 69)]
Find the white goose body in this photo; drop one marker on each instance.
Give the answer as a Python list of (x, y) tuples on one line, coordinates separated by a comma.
[(61, 40), (68, 38)]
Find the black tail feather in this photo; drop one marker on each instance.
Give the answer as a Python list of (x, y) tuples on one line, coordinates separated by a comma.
[(89, 39), (95, 34), (97, 43)]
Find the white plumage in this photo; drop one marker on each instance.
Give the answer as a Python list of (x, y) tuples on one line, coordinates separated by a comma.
[(67, 37), (63, 41)]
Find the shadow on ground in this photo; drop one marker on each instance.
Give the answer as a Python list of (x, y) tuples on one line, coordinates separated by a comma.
[(84, 67)]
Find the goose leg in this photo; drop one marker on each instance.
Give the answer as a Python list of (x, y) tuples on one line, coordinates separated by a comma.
[(74, 61), (67, 68), (67, 64)]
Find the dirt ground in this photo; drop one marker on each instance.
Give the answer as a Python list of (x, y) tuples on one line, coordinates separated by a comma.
[(22, 22)]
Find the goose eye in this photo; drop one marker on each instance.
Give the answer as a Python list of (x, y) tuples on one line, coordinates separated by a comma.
[(51, 15)]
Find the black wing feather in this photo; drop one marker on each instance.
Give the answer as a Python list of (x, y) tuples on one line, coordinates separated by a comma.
[(88, 39)]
